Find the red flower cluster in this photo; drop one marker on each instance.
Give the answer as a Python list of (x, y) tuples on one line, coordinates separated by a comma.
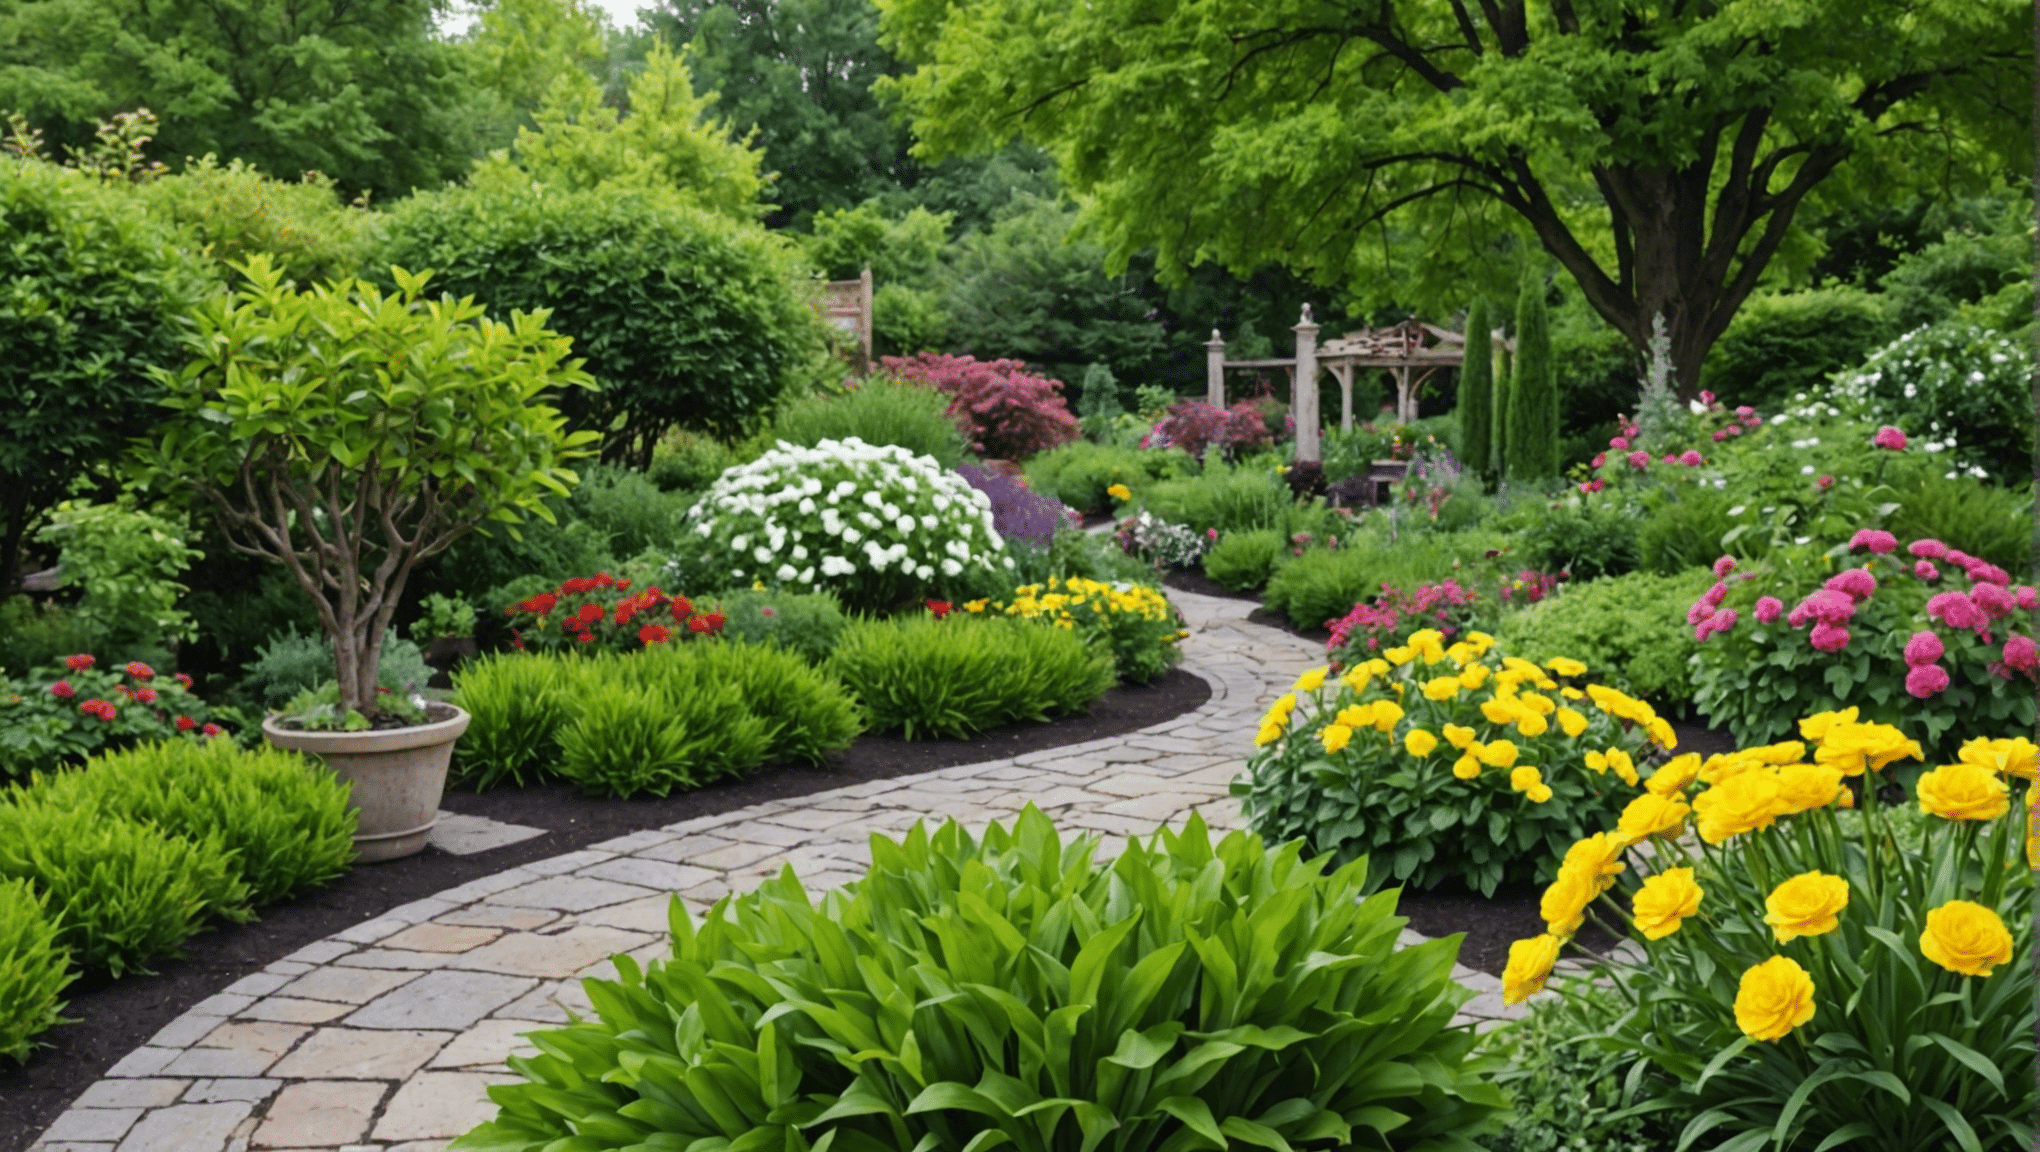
[(78, 663), (99, 708), (707, 624), (62, 690), (940, 608), (590, 609)]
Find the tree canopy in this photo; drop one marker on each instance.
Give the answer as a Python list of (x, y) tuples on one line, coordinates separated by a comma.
[(1660, 150)]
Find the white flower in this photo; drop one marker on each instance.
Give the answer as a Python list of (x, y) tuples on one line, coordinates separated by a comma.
[(785, 573), (852, 535), (762, 554), (924, 572), (1806, 470), (951, 567), (807, 507), (873, 500), (739, 543), (929, 522), (1737, 510), (799, 553), (905, 524), (837, 566)]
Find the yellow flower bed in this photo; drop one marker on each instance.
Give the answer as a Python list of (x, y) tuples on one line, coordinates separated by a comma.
[(1135, 622)]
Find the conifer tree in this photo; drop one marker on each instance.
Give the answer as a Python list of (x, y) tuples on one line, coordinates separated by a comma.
[(1532, 431), (1477, 392)]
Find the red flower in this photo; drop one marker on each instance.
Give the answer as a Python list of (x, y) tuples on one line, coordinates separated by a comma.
[(62, 690), (654, 634), (99, 708), (139, 670), (125, 691), (211, 730), (682, 608), (707, 624), (78, 663), (586, 637), (186, 723), (591, 612), (539, 605), (517, 640), (939, 607), (146, 695), (184, 679)]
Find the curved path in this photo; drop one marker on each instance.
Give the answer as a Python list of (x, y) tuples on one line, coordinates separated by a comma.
[(384, 1037)]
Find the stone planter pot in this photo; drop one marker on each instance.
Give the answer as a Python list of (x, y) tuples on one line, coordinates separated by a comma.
[(398, 774)]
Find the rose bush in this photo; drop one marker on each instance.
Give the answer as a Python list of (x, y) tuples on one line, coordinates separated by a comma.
[(66, 711)]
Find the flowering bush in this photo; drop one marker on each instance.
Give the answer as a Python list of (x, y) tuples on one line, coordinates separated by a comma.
[(877, 525), (1897, 636), (1197, 426), (1813, 977), (1432, 759), (601, 612), (1964, 389), (1447, 606), (68, 710), (1134, 622), (1007, 412), (1159, 542), (1018, 512)]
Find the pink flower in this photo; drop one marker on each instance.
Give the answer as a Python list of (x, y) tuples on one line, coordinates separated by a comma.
[(1632, 431), (1889, 437), (1724, 620), (2022, 653), (1924, 648), (1829, 605), (1857, 583), (1829, 637), (1600, 458), (1720, 434), (1769, 608), (62, 690), (1671, 457), (1594, 485), (1875, 539), (1984, 572), (1691, 459), (1699, 612), (1926, 680), (1745, 411), (211, 730), (1752, 421), (1639, 459), (1958, 611), (1995, 602), (1928, 549), (1925, 570), (2025, 597), (1707, 398), (1825, 482), (1722, 567), (1619, 443), (1702, 630), (1715, 595)]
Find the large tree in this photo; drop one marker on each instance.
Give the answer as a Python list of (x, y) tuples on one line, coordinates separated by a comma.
[(1658, 149)]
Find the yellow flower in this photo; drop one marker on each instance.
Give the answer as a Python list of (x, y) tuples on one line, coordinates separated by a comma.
[(1462, 653), (1660, 732), (1674, 774), (1856, 747), (975, 605), (1571, 723), (1966, 938), (1498, 753), (1564, 903), (1468, 766), (1665, 901), (1532, 725), (1963, 791), (1653, 815), (1525, 778), (1529, 967), (1400, 656), (1441, 688), (1598, 761), (1268, 734), (1458, 737), (1599, 855), (1816, 726), (1356, 716), (1336, 737), (1357, 677), (1541, 705), (1119, 492), (1804, 787), (1623, 766), (1538, 793), (1473, 676), (1789, 752), (2016, 756), (1739, 804), (1387, 713), (1571, 693), (1419, 742), (1480, 640), (1379, 667), (1565, 667), (1774, 998), (1809, 904), (1312, 680), (1500, 710)]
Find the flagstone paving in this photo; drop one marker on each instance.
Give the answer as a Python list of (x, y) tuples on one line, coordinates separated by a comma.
[(386, 1036)]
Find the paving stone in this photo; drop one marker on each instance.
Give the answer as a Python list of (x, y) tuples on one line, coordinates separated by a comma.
[(648, 915), (231, 1062), (776, 835), (346, 985), (417, 1146), (487, 1043), (548, 1004), (568, 894), (567, 862), (186, 1128), (319, 1112), (185, 1031), (287, 967), (418, 911), (483, 886), (267, 1036), (391, 958), (500, 916), (143, 1061), (465, 835), (321, 952), (131, 1094), (654, 874), (71, 1146), (452, 1000), (633, 842), (254, 1090), (439, 1104), (361, 1054), (293, 1011), (441, 938), (258, 984), (1124, 784), (370, 931), (552, 956), (103, 1124)]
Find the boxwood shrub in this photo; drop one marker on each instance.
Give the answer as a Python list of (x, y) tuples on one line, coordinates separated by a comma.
[(1016, 991), (959, 675), (1631, 630)]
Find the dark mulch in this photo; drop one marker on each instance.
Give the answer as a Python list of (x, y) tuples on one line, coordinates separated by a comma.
[(1191, 580), (114, 1016)]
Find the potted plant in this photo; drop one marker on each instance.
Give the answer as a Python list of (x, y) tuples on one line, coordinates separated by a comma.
[(347, 434)]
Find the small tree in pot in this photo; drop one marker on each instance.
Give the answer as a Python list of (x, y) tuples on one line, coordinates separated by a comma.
[(349, 434)]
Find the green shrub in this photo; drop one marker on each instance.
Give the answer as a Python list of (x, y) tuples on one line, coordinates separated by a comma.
[(1135, 623), (34, 970), (1980, 519), (1963, 388), (1476, 391), (70, 709), (1239, 500), (880, 410), (483, 568), (121, 892), (1078, 473), (633, 740), (806, 714), (284, 819), (1072, 552), (232, 211), (291, 663), (805, 624), (1784, 343), (1243, 561), (631, 512), (34, 633), (127, 561), (1586, 538), (689, 461), (1631, 630), (1017, 991), (1568, 1093), (1322, 585), (955, 677), (1530, 438), (1685, 528), (517, 704)]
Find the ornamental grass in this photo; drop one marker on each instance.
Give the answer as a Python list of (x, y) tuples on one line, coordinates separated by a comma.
[(1821, 967)]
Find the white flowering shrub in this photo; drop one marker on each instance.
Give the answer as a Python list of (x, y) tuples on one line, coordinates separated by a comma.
[(1958, 388), (875, 524)]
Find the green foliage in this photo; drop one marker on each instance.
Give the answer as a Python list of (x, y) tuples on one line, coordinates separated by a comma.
[(1135, 623), (69, 709), (127, 561), (1969, 264), (239, 603), (1072, 552), (1530, 443), (232, 211), (517, 704), (951, 678), (122, 892), (1783, 343), (879, 410), (1568, 1092), (1013, 990), (686, 318), (1079, 472), (516, 49), (39, 632), (1966, 390), (442, 616), (1243, 561), (291, 663), (1238, 500), (626, 508), (902, 250), (1630, 630), (636, 739), (1322, 585), (1588, 539), (486, 565), (34, 970), (94, 293), (1477, 391), (1982, 520), (283, 818), (687, 462), (400, 421), (806, 624)]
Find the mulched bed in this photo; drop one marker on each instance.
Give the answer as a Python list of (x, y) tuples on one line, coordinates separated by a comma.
[(115, 1016)]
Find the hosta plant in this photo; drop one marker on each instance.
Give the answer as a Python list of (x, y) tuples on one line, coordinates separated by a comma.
[(877, 525), (1446, 763), (1015, 991), (1134, 622), (1811, 976), (71, 709)]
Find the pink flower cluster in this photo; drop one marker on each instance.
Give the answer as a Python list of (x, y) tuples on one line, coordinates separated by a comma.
[(1889, 437), (1440, 606)]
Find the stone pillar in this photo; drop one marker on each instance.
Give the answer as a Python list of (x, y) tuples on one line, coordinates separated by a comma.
[(1345, 374), (1214, 370), (1303, 393)]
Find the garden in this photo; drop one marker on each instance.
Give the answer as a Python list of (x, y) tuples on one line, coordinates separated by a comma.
[(1682, 681)]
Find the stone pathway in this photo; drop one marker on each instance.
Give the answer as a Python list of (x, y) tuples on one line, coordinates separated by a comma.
[(385, 1037)]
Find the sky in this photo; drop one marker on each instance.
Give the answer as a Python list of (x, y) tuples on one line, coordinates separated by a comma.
[(619, 13)]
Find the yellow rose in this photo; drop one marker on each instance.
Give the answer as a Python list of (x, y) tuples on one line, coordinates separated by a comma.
[(1565, 667), (1774, 998), (1473, 676), (1498, 754), (1119, 492), (1739, 804), (1458, 737), (1816, 726), (1673, 775), (1963, 791), (1419, 742), (1468, 766), (1335, 737), (2016, 756), (1312, 680), (1599, 856), (1564, 903), (1665, 901), (1653, 815), (1529, 967), (1809, 904), (1966, 938), (1387, 714), (1804, 787), (1571, 723), (1441, 688), (1356, 716)]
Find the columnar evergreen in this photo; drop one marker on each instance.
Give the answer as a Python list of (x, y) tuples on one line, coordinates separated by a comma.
[(1532, 421), (1477, 392)]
